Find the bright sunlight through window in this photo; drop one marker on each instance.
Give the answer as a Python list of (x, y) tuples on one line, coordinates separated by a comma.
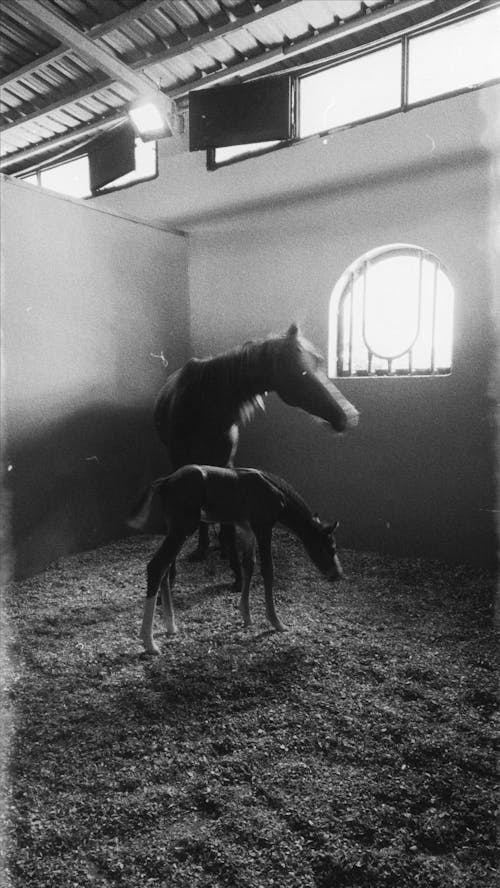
[(391, 313), (452, 58), (222, 155), (462, 55), (355, 90), (70, 178), (73, 179)]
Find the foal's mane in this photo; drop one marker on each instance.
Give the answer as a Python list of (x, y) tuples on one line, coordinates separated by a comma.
[(295, 505)]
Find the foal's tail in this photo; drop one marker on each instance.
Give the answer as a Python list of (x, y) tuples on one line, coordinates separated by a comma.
[(141, 513)]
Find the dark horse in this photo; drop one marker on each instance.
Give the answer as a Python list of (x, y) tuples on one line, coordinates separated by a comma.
[(250, 499), (200, 407)]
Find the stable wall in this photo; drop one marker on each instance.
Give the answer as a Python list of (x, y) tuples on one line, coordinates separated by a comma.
[(417, 476), (88, 299)]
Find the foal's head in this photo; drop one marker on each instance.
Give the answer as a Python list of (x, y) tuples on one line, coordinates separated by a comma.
[(323, 549), (301, 381)]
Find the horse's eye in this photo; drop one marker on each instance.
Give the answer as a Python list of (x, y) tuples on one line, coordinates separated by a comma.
[(304, 373)]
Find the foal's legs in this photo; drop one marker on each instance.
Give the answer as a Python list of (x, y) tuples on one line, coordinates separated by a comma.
[(229, 540), (248, 564), (200, 553), (264, 537), (158, 571)]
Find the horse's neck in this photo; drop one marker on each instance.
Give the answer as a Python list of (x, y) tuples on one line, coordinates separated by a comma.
[(301, 524), (254, 369), (296, 516), (244, 373)]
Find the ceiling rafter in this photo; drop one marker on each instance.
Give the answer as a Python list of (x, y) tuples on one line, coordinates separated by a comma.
[(128, 15), (67, 34), (24, 154), (330, 35), (38, 13), (68, 98), (99, 31), (180, 55), (215, 33)]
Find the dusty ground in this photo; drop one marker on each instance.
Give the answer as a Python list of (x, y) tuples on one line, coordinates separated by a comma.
[(354, 750)]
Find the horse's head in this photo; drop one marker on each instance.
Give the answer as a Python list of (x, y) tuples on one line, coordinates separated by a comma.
[(301, 381), (323, 550)]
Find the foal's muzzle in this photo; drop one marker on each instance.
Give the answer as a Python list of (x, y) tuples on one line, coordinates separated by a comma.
[(336, 572)]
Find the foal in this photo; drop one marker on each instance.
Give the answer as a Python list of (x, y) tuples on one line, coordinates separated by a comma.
[(252, 500)]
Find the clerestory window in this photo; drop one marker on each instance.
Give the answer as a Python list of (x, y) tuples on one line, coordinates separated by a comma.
[(391, 314)]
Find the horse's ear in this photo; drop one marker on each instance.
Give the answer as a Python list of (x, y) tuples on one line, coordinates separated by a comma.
[(293, 330)]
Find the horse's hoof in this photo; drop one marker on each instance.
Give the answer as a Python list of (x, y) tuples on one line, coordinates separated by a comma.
[(199, 554), (278, 627), (153, 652)]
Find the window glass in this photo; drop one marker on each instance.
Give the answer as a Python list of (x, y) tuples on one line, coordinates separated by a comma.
[(222, 155), (362, 88), (70, 178), (456, 57)]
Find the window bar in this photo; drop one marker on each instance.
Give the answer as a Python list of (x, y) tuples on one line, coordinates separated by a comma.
[(433, 336), (421, 257), (368, 350), (405, 67), (351, 319), (340, 335)]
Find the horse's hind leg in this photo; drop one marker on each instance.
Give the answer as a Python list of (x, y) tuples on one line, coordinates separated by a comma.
[(229, 540), (264, 537), (158, 568)]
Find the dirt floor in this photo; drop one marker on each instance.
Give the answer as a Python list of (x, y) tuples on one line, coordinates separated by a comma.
[(356, 749)]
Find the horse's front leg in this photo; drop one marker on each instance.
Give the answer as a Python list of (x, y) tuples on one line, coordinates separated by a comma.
[(247, 566), (264, 538), (159, 568)]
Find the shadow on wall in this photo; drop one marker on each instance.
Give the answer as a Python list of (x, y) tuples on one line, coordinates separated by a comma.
[(73, 485), (404, 482)]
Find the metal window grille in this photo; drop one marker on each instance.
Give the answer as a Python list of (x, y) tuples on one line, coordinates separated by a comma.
[(423, 299)]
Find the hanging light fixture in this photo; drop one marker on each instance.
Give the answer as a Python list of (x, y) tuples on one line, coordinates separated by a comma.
[(150, 116)]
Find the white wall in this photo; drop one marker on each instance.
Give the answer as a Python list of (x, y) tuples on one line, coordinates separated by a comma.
[(87, 299)]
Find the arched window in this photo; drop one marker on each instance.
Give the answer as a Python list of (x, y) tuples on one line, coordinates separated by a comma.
[(391, 314)]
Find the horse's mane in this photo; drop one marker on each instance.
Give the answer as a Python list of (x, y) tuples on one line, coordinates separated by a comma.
[(228, 377), (239, 376)]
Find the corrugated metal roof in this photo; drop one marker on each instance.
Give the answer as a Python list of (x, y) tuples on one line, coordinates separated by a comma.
[(69, 68)]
